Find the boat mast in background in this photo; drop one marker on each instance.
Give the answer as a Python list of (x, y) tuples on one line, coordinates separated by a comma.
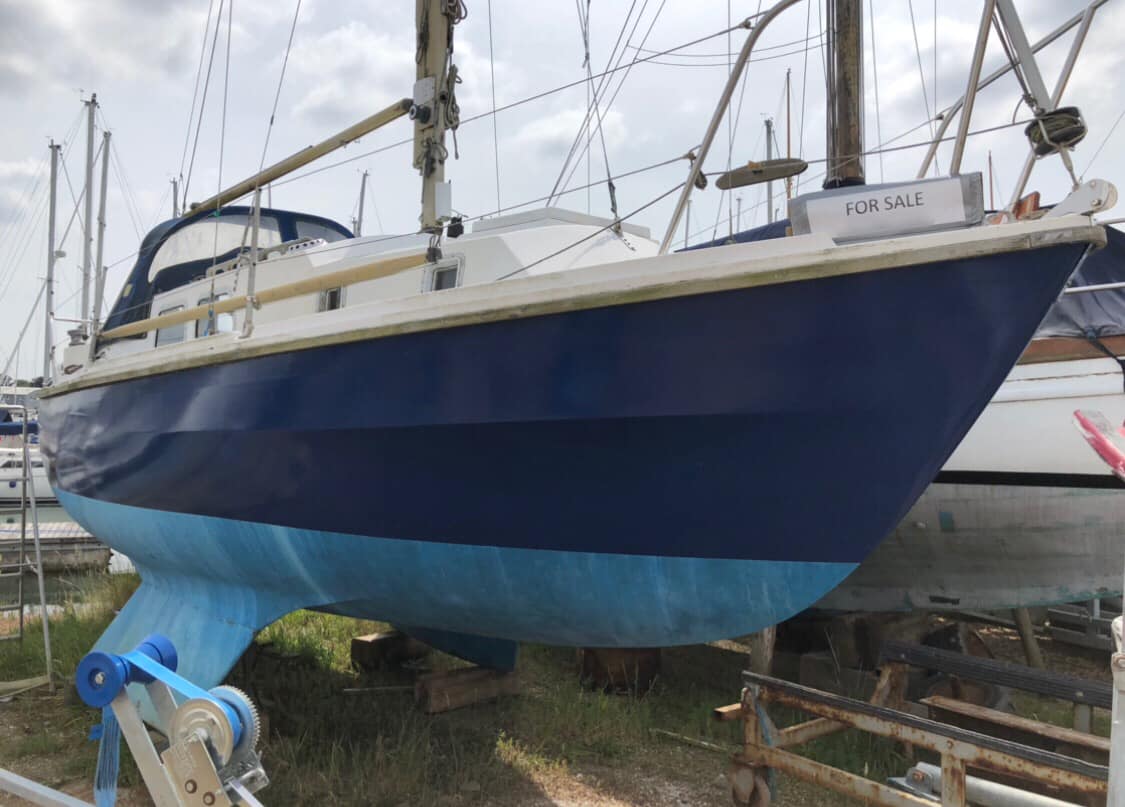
[(358, 221), (769, 156), (844, 61), (49, 291), (99, 269), (735, 76), (175, 198), (88, 219)]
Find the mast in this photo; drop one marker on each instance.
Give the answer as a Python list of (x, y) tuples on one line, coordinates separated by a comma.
[(433, 102), (87, 223), (788, 132), (99, 270), (845, 93), (175, 198), (769, 156), (49, 301), (359, 215)]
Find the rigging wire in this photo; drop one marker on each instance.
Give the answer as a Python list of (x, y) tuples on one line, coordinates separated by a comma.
[(280, 82), (585, 121), (875, 74), (935, 62), (775, 56), (203, 100), (594, 234), (737, 118), (921, 74), (195, 92), (127, 189), (495, 127), (597, 99), (18, 235), (505, 107), (804, 87), (132, 206), (730, 126), (609, 105), (223, 133), (1108, 135), (804, 41)]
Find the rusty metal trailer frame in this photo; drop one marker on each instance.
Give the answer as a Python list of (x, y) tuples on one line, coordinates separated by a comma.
[(766, 747)]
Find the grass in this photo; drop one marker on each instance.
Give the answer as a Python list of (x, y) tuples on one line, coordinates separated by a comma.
[(374, 747)]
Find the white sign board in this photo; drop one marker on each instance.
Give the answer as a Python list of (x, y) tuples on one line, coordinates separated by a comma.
[(877, 211)]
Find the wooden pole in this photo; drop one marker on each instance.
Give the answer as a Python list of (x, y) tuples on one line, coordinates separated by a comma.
[(845, 93), (306, 156), (309, 285), (1027, 637)]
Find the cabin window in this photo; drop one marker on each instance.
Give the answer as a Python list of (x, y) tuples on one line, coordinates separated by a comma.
[(311, 229), (222, 323), (210, 237), (331, 299), (173, 333), (445, 278)]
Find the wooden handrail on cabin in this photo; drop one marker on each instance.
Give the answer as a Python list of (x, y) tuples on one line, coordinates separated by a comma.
[(344, 277)]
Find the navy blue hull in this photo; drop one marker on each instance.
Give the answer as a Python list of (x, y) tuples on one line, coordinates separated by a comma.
[(780, 423), (787, 425)]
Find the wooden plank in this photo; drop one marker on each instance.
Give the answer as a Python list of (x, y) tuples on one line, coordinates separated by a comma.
[(727, 713), (390, 647), (1002, 756), (1059, 734), (1065, 687), (455, 689), (1062, 348)]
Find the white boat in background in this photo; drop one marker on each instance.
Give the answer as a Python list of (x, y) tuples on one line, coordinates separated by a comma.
[(12, 474), (1023, 513)]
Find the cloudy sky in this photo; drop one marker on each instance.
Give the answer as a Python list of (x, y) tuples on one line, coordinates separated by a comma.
[(352, 57)]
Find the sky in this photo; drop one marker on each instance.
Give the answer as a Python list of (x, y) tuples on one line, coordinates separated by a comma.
[(150, 64)]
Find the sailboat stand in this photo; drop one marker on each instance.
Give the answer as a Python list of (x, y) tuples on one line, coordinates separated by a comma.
[(27, 563)]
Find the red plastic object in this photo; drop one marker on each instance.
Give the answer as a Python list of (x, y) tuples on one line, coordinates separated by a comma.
[(1103, 438)]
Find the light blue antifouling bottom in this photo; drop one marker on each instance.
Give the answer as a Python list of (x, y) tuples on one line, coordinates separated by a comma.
[(209, 584)]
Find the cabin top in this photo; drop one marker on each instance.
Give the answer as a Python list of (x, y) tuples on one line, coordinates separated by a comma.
[(179, 251)]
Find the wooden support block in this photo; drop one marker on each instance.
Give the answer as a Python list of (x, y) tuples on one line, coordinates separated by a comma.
[(380, 649), (727, 713), (444, 691), (619, 669)]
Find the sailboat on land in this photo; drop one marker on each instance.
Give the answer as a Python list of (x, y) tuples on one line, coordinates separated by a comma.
[(540, 432)]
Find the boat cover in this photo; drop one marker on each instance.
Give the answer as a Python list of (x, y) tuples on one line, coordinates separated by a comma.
[(1091, 315)]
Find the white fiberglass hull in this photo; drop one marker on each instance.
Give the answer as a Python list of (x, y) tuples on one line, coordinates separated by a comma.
[(11, 478), (1026, 515)]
